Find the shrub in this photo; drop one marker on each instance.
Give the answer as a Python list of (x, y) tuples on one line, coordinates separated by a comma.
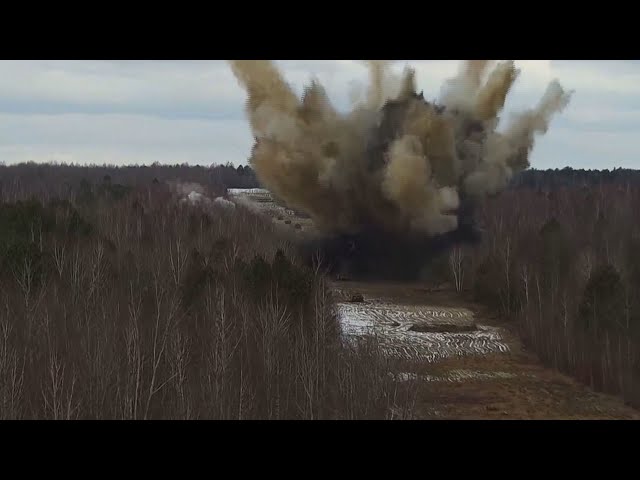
[(602, 305)]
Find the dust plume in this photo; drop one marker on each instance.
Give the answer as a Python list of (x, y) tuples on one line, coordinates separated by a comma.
[(395, 162), (195, 194)]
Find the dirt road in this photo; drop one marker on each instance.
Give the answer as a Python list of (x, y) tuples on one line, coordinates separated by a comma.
[(465, 364)]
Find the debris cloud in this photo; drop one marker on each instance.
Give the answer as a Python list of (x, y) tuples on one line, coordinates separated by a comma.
[(395, 162)]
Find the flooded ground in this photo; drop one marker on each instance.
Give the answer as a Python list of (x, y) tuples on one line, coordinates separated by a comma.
[(421, 332), (465, 364)]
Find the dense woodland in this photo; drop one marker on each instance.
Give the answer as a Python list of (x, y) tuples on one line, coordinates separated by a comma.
[(47, 181), (561, 257), (117, 301), (566, 177)]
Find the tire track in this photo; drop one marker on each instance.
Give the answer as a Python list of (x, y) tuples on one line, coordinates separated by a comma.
[(391, 325)]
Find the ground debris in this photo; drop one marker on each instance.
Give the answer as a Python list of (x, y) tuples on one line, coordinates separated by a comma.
[(357, 298)]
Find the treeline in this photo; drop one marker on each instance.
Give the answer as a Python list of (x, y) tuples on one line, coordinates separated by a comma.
[(120, 302), (59, 180), (33, 177), (569, 177), (564, 263)]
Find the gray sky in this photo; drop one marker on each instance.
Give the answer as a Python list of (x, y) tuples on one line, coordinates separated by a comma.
[(133, 111)]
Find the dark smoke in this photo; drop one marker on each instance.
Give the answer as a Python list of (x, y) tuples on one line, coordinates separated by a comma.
[(395, 179), (383, 255), (379, 254)]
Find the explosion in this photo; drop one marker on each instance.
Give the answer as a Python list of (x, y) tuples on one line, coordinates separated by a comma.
[(395, 163)]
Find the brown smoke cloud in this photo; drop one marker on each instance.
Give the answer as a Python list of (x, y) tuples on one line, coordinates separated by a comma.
[(394, 161)]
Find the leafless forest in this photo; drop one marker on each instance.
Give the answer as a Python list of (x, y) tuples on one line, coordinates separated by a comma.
[(561, 257), (119, 302)]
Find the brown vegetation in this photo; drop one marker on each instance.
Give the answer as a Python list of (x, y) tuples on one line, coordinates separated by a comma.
[(118, 302), (565, 264)]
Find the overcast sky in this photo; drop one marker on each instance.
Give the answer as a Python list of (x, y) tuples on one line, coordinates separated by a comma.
[(125, 112)]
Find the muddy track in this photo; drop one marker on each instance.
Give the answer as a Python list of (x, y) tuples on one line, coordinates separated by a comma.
[(485, 373), (463, 363)]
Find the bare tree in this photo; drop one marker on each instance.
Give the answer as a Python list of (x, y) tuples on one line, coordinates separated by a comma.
[(456, 262)]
